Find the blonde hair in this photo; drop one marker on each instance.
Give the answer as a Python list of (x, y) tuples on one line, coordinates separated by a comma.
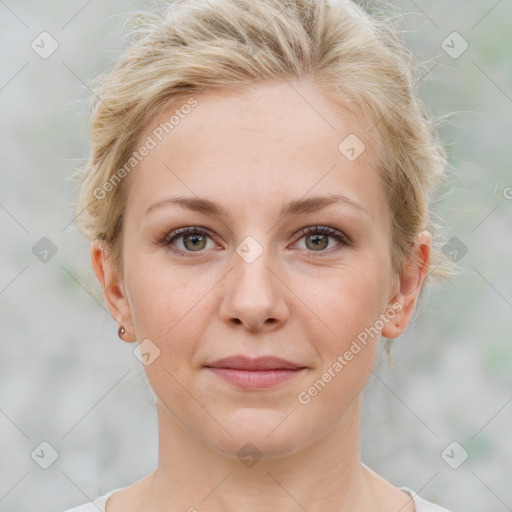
[(355, 58)]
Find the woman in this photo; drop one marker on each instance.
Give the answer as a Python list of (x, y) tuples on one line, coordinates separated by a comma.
[(257, 198)]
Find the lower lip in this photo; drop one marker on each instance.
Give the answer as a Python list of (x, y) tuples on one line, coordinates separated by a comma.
[(256, 379)]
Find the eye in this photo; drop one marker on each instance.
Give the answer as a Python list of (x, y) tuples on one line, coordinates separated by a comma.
[(317, 238), (188, 240), (185, 240)]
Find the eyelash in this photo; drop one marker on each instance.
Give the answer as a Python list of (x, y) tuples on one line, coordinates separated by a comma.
[(324, 230)]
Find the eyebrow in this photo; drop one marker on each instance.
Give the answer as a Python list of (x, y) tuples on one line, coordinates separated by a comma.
[(297, 207)]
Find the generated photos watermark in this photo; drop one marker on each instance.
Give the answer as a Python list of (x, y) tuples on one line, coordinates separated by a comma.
[(304, 397), (151, 142)]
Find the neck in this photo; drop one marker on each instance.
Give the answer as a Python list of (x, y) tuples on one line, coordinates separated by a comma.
[(192, 476)]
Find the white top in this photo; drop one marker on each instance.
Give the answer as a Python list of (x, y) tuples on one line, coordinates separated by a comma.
[(98, 505)]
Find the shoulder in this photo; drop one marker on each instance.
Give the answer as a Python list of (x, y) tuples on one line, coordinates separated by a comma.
[(87, 507), (421, 504), (98, 505)]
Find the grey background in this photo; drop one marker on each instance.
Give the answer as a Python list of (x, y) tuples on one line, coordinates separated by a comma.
[(65, 377)]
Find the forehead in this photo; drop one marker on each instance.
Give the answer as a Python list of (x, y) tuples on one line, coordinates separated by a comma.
[(270, 142)]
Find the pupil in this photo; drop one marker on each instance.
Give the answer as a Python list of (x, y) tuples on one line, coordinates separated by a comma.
[(319, 241), (196, 241)]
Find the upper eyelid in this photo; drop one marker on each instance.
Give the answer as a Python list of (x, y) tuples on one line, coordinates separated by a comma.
[(328, 230)]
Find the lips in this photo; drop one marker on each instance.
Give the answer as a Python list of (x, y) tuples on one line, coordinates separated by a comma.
[(254, 364)]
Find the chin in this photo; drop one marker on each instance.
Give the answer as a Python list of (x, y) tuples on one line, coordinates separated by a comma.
[(249, 450), (260, 433)]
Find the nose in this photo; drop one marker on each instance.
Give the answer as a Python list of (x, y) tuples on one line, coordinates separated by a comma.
[(254, 296)]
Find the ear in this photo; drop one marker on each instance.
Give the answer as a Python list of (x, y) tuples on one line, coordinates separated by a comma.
[(409, 286), (113, 289)]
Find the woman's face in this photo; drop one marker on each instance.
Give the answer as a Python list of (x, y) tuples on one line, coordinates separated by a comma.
[(256, 275)]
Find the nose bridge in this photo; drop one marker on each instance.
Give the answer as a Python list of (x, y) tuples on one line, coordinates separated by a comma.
[(253, 294), (252, 272)]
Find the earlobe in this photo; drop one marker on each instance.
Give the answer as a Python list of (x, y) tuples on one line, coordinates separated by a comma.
[(410, 284), (115, 298)]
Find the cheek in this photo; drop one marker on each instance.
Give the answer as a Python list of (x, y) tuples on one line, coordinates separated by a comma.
[(161, 296), (349, 310), (167, 308), (348, 302)]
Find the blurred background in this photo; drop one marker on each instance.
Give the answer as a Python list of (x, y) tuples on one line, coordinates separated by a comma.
[(77, 417)]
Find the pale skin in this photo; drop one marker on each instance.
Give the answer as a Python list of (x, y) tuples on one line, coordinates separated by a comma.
[(252, 153)]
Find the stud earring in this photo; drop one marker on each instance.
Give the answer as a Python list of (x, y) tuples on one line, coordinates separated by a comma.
[(121, 331)]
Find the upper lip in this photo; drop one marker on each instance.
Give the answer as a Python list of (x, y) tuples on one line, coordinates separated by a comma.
[(259, 363)]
